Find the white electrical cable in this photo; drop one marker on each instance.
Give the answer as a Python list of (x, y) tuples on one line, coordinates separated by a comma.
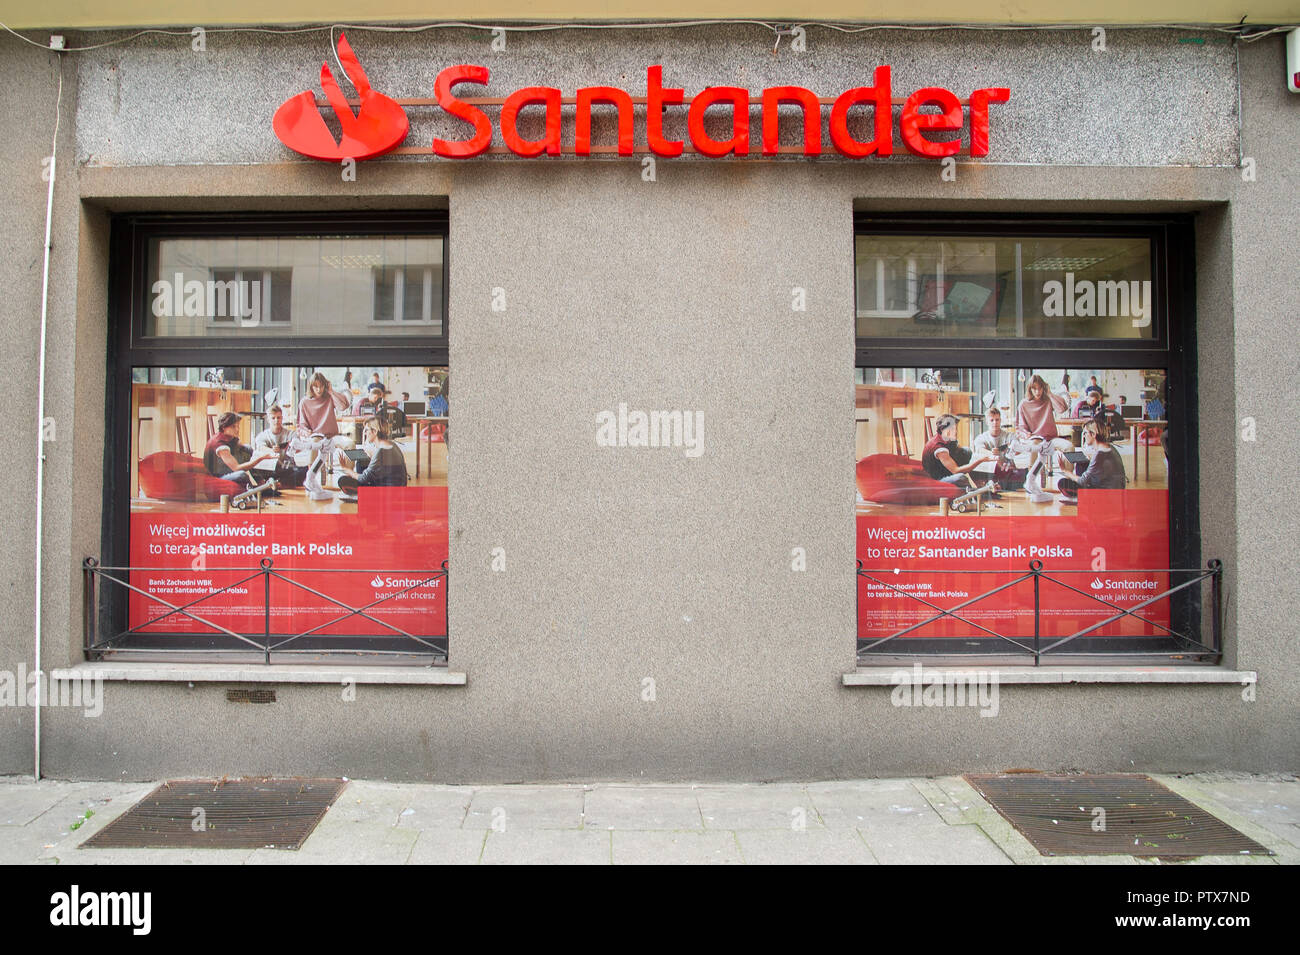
[(1238, 30), (40, 427)]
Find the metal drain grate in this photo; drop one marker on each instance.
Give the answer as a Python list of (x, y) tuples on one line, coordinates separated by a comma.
[(238, 695), (1059, 814), (222, 814)]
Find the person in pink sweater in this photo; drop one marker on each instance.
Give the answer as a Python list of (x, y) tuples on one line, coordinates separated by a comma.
[(1036, 419), (316, 412), (1036, 416), (317, 415)]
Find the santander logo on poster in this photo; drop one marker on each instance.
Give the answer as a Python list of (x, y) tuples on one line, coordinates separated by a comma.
[(380, 124)]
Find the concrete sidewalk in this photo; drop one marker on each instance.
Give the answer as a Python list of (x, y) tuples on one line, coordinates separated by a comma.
[(876, 821)]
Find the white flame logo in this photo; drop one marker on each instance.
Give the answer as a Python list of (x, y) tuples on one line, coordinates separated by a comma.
[(1097, 584), (377, 582)]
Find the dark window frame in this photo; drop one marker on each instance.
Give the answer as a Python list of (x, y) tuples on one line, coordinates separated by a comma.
[(128, 347), (1172, 347)]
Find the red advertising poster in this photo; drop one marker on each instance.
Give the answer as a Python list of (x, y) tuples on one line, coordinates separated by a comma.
[(289, 502), (962, 483), (382, 557)]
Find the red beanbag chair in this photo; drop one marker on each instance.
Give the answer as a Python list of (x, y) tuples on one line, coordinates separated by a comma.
[(894, 479), (172, 476)]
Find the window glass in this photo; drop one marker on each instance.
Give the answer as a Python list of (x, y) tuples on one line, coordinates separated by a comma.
[(948, 287), (299, 286)]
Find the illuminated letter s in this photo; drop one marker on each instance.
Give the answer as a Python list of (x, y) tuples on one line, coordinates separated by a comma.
[(462, 149)]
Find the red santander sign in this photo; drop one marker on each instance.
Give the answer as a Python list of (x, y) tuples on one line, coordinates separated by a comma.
[(375, 128)]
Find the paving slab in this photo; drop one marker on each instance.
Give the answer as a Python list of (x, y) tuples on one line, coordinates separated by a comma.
[(525, 807), (675, 848), (345, 843), (1271, 803), (448, 847), (933, 845), (418, 806), (809, 847), (44, 837), (440, 808), (547, 847), (21, 804), (757, 807), (367, 802), (845, 806), (26, 845), (956, 802), (81, 798), (643, 807)]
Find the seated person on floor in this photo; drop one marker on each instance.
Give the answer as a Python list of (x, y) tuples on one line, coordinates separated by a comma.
[(1105, 469), (276, 437), (226, 458), (387, 466), (996, 442), (945, 460)]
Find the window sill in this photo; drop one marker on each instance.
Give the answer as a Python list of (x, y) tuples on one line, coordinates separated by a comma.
[(235, 673), (885, 675)]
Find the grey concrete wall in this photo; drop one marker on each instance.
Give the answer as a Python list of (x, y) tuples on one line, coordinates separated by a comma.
[(31, 77), (1266, 262), (624, 564)]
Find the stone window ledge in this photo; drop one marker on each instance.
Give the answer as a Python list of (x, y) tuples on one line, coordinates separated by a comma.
[(1006, 675), (244, 673)]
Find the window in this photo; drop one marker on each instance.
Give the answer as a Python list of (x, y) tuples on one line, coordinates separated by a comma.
[(277, 467), (260, 284), (1025, 440), (404, 294), (236, 292), (1024, 286)]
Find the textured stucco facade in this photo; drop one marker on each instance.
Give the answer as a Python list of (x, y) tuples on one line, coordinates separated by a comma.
[(674, 293)]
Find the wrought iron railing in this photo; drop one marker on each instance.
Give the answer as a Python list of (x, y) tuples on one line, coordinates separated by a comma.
[(1180, 645), (143, 637)]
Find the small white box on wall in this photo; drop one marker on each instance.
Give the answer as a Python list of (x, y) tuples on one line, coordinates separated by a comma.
[(1293, 60)]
